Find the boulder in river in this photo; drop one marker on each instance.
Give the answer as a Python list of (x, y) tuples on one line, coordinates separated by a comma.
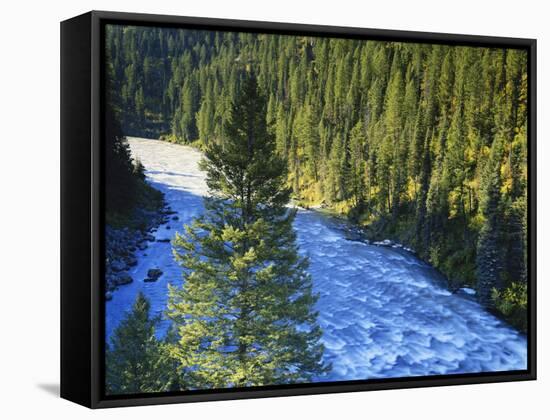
[(131, 261), (467, 292), (385, 242), (153, 274), (110, 282), (117, 265), (122, 278)]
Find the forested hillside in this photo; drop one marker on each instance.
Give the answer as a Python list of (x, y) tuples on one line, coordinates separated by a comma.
[(423, 144)]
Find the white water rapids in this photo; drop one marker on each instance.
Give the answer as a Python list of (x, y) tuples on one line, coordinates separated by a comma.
[(384, 313)]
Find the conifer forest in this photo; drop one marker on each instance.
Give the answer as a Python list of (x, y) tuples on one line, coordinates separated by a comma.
[(289, 209)]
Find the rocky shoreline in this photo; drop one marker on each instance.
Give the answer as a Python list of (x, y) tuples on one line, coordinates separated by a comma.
[(353, 232), (122, 243)]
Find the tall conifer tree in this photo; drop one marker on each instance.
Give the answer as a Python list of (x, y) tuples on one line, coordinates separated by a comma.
[(245, 313)]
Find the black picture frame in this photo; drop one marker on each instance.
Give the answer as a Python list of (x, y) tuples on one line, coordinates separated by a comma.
[(82, 219)]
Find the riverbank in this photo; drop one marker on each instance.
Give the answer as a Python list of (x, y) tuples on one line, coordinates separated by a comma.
[(510, 304), (355, 232), (121, 244)]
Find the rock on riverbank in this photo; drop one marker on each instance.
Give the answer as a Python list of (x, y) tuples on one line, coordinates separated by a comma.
[(121, 244)]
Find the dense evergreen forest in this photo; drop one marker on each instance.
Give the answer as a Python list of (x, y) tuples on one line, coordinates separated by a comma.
[(422, 144)]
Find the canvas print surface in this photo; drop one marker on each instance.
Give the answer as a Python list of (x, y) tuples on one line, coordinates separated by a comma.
[(291, 209)]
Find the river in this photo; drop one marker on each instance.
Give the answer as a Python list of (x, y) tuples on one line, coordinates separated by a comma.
[(384, 313)]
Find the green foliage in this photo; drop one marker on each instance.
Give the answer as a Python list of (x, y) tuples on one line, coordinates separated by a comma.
[(357, 170), (489, 255), (136, 362), (244, 314), (512, 303), (401, 137)]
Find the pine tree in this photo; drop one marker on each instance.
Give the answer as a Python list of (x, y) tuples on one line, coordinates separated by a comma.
[(205, 116), (134, 360), (186, 127), (140, 105), (245, 313), (307, 140), (489, 253), (357, 147), (281, 132), (336, 179), (393, 139)]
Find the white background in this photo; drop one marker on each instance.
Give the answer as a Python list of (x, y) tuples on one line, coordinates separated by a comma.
[(29, 209)]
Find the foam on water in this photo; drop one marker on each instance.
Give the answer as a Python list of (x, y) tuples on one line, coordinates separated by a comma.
[(383, 312)]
